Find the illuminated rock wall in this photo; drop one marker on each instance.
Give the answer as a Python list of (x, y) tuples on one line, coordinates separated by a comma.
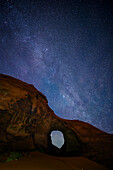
[(26, 122)]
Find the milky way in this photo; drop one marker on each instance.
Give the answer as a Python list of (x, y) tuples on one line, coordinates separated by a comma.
[(65, 49)]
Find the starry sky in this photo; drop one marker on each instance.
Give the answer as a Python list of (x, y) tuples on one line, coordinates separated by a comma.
[(65, 49)]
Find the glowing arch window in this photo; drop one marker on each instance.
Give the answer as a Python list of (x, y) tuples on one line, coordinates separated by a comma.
[(57, 138)]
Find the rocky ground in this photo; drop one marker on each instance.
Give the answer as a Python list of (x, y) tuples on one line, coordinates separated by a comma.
[(41, 161)]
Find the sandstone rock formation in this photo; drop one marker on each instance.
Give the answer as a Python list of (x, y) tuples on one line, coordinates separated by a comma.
[(26, 122)]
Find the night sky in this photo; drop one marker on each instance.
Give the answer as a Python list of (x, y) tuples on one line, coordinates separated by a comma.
[(65, 49)]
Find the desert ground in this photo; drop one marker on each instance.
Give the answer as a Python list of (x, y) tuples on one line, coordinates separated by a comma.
[(41, 161)]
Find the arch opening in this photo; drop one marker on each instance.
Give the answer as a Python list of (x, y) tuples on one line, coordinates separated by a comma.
[(57, 138)]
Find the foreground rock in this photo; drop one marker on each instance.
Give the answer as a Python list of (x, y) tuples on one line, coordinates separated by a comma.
[(26, 122), (40, 161)]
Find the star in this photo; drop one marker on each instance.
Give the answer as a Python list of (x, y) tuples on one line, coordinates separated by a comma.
[(63, 48)]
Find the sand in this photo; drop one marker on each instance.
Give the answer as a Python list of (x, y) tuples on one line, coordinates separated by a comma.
[(40, 161)]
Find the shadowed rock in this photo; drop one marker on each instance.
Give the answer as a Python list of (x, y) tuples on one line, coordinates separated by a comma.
[(26, 122)]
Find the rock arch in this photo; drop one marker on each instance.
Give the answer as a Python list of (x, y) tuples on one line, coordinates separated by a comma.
[(71, 146)]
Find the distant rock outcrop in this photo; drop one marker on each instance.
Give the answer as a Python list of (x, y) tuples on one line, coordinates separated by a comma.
[(26, 122)]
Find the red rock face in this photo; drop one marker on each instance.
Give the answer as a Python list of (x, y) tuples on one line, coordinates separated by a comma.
[(26, 122)]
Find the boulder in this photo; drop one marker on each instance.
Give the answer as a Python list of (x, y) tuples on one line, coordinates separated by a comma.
[(26, 122)]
